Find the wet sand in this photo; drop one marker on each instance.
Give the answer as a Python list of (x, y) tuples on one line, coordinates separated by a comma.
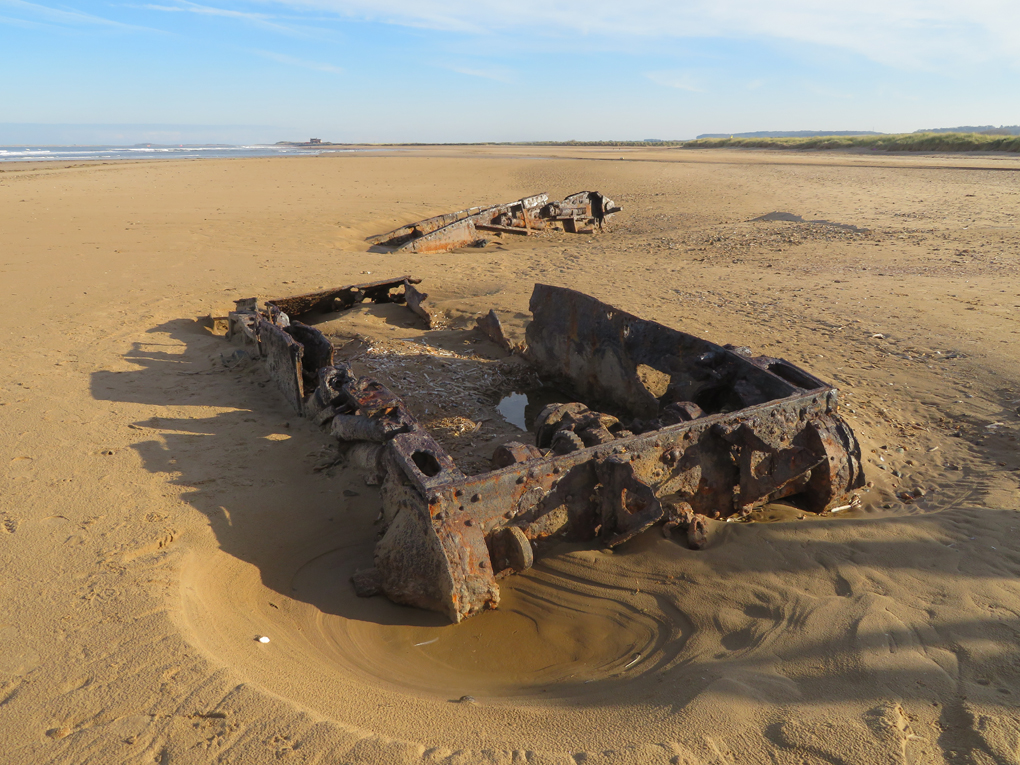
[(161, 507)]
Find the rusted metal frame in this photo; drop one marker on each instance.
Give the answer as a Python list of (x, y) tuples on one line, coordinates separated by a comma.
[(659, 456), (449, 537), (454, 230), (317, 352), (503, 229), (416, 301), (452, 237), (241, 323), (718, 465), (400, 236), (294, 355), (599, 350), (340, 298), (283, 361), (577, 213), (601, 206), (492, 327), (579, 496), (296, 352)]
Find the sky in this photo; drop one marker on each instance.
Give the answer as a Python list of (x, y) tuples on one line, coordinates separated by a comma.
[(261, 71)]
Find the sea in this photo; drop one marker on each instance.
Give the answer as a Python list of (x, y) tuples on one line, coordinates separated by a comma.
[(155, 151)]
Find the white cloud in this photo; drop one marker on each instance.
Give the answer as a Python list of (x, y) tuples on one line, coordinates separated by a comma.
[(904, 33), (675, 78), (64, 18), (291, 61), (205, 10), (495, 74), (262, 20)]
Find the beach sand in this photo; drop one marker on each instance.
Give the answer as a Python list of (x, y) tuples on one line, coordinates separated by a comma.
[(161, 507)]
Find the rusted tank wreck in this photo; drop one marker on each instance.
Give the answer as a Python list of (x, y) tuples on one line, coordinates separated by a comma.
[(673, 429), (578, 213)]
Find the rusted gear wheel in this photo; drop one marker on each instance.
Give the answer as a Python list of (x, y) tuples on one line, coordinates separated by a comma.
[(593, 436), (549, 419), (566, 441)]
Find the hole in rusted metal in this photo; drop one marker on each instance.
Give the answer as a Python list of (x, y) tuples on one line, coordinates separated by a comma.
[(427, 463)]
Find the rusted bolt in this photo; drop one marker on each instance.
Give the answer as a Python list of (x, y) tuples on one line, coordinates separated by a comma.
[(672, 456)]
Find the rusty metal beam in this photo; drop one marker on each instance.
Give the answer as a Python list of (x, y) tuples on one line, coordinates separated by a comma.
[(283, 360), (339, 298)]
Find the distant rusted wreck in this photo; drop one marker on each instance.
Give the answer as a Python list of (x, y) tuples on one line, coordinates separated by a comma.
[(661, 427), (579, 213)]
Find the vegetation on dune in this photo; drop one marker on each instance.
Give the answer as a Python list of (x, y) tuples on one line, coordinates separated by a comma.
[(933, 141), (905, 142), (928, 141)]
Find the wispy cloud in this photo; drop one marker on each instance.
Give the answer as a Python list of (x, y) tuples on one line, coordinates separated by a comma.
[(903, 33), (675, 78), (281, 58), (496, 74), (205, 10), (23, 23), (64, 18), (266, 21)]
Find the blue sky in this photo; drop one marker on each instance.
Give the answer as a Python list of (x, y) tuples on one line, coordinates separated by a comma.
[(432, 71)]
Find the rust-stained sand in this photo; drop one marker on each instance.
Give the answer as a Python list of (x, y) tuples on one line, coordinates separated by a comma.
[(161, 507)]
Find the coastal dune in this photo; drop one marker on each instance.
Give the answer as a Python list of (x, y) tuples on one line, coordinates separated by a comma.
[(161, 508)]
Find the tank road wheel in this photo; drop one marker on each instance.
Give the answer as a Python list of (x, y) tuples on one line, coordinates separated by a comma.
[(840, 471)]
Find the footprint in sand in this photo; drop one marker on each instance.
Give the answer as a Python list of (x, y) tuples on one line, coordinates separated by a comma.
[(883, 735)]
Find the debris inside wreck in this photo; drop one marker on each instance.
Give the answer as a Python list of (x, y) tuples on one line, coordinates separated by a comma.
[(660, 427), (579, 213)]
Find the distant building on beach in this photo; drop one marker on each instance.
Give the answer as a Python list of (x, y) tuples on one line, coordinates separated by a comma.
[(314, 140)]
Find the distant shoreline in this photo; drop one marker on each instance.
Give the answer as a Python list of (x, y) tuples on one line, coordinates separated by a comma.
[(912, 143)]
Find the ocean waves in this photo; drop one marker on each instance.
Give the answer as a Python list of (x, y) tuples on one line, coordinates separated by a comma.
[(150, 151)]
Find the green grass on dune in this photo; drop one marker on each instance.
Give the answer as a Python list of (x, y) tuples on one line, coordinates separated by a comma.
[(934, 142), (905, 142)]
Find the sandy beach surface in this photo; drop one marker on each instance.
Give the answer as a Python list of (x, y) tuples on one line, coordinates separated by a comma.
[(161, 507)]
